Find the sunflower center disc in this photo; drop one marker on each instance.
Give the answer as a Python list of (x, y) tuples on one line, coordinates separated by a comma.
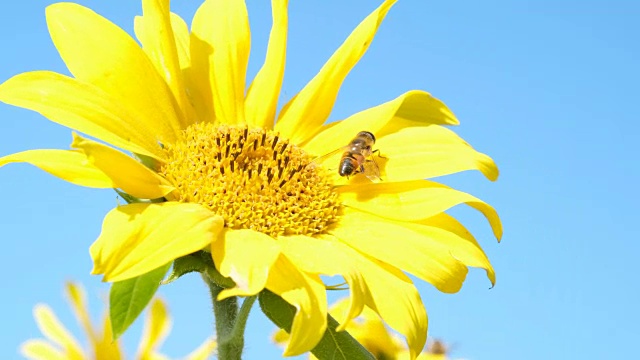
[(251, 178)]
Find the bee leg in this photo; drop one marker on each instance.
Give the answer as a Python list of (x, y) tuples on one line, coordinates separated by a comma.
[(378, 153)]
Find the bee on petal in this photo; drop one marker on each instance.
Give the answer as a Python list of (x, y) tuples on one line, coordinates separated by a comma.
[(357, 157)]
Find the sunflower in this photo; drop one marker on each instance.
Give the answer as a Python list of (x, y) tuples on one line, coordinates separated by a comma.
[(178, 126), (60, 344)]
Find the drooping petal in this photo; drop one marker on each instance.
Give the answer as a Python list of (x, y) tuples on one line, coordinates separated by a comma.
[(413, 201), (154, 30), (429, 151), (94, 50), (138, 238), (39, 349), (220, 33), (263, 94), (403, 248), (445, 229), (417, 106), (52, 329), (127, 173), (68, 165), (326, 257), (245, 256), (303, 116), (82, 107), (307, 293), (370, 331), (156, 328), (395, 298)]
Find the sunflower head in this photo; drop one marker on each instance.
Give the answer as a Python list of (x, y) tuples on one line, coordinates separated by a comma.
[(252, 179)]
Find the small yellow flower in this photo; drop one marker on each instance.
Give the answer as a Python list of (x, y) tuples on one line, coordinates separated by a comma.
[(238, 180), (61, 345)]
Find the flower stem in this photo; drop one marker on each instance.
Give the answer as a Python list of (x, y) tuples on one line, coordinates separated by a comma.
[(230, 323)]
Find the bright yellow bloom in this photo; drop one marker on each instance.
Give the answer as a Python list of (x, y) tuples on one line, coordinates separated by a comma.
[(239, 180), (61, 345)]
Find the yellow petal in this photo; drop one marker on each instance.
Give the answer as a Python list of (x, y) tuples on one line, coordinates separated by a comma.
[(69, 165), (42, 350), (221, 35), (198, 73), (154, 30), (403, 248), (181, 37), (325, 257), (138, 238), (82, 107), (425, 356), (456, 240), (264, 92), (100, 53), (370, 331), (413, 200), (204, 351), (245, 256), (53, 330), (280, 337), (429, 151), (395, 299), (308, 110), (156, 328), (307, 293), (78, 300), (192, 79), (127, 173), (105, 346), (417, 106)]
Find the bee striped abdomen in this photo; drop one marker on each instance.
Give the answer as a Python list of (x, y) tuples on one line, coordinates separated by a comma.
[(348, 165)]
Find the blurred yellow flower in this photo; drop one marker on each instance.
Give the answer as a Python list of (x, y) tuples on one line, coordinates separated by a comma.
[(61, 345), (241, 183), (369, 330)]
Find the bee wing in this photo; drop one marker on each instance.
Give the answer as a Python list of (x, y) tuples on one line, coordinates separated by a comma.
[(324, 157), (371, 169)]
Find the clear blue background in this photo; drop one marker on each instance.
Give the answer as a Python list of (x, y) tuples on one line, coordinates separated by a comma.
[(549, 89)]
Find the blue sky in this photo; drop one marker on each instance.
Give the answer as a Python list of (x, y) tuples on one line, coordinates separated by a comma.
[(547, 88)]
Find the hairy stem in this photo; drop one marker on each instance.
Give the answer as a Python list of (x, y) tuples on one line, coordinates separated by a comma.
[(230, 323), (226, 313)]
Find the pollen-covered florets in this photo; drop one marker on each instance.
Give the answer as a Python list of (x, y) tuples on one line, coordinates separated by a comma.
[(252, 178)]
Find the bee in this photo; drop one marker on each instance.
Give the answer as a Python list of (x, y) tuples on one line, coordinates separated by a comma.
[(357, 157), (439, 347)]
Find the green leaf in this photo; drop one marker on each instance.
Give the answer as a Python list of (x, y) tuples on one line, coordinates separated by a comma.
[(334, 345), (185, 265), (128, 298)]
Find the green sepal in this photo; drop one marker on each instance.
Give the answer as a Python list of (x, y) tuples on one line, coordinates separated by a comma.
[(334, 345), (147, 161), (186, 264), (128, 298), (130, 199)]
